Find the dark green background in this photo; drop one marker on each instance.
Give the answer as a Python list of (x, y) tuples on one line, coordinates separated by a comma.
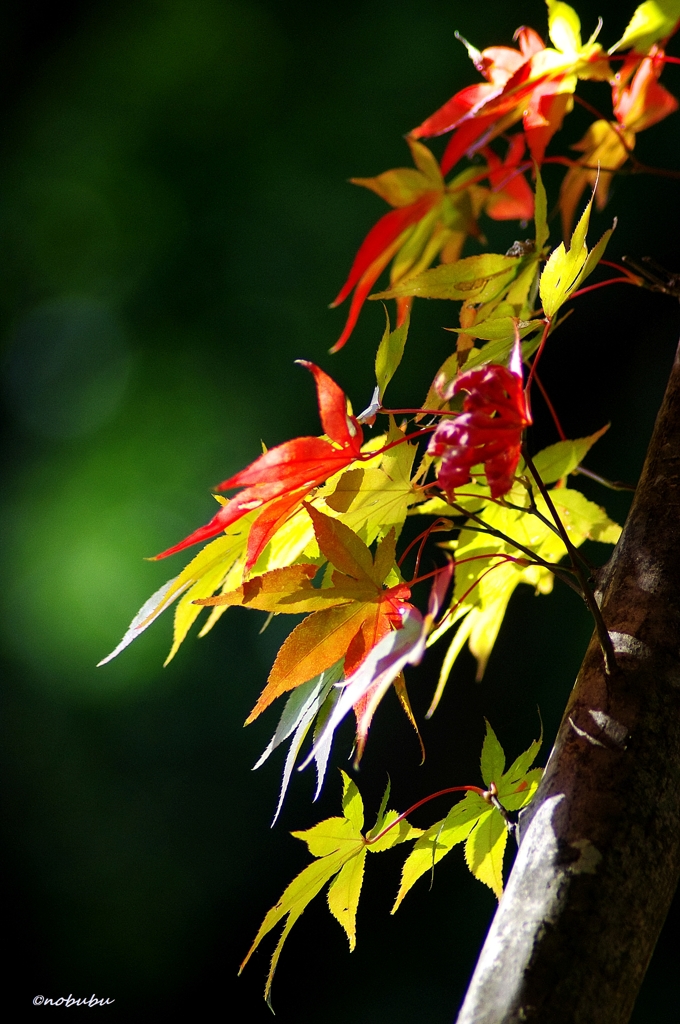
[(175, 219)]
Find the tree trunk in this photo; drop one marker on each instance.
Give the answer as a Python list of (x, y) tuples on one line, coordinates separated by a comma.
[(599, 855)]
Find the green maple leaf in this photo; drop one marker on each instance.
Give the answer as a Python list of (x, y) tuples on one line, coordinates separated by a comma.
[(340, 849), (476, 822)]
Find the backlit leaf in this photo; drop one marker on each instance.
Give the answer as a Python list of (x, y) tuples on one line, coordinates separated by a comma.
[(477, 277), (340, 849), (652, 21), (344, 892), (485, 848), (566, 269), (560, 459), (439, 840), (493, 758), (389, 355)]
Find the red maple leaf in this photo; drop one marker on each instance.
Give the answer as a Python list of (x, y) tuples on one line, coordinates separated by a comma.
[(528, 84), (280, 479)]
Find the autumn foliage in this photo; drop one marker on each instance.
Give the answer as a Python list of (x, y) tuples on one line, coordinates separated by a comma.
[(315, 526)]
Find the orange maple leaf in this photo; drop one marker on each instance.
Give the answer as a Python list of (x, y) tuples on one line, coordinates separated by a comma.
[(348, 618)]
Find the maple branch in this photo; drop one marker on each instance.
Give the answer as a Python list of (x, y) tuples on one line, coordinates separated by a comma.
[(599, 854), (493, 532), (587, 593), (613, 485)]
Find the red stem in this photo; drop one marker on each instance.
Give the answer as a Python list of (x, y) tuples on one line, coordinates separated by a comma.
[(421, 536), (534, 365), (601, 284), (426, 799), (551, 408)]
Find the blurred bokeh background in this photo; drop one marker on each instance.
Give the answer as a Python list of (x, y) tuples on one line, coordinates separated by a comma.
[(175, 219)]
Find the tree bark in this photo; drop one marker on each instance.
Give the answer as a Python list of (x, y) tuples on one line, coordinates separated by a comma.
[(599, 855)]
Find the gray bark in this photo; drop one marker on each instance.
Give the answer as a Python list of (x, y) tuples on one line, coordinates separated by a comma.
[(599, 856)]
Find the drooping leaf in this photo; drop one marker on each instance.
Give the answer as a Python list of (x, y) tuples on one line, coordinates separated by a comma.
[(439, 840), (203, 575), (344, 892), (485, 849), (485, 579), (376, 673), (358, 611), (305, 705), (340, 849)]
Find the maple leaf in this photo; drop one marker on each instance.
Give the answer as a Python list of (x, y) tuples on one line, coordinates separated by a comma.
[(639, 102), (382, 668), (654, 21), (279, 480), (488, 431), (348, 618), (476, 822), (533, 84), (567, 269), (605, 146), (432, 219), (340, 848), (642, 102), (308, 704)]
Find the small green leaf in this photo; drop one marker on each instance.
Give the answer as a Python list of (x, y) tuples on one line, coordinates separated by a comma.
[(352, 804), (558, 460), (519, 767), (523, 792), (651, 22), (389, 355), (485, 848), (493, 758)]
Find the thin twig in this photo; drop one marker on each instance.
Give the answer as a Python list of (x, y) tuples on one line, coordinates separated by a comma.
[(613, 485)]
